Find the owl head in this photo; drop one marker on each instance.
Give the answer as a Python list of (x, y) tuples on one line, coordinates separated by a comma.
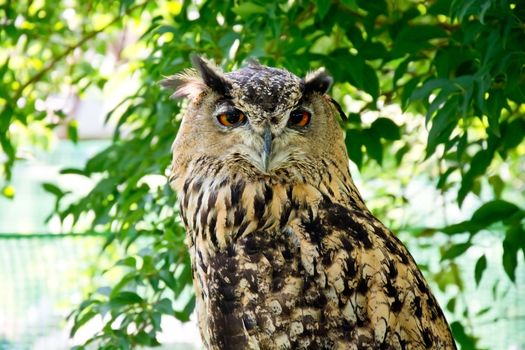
[(258, 122)]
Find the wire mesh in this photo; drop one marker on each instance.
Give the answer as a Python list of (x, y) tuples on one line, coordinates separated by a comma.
[(42, 277)]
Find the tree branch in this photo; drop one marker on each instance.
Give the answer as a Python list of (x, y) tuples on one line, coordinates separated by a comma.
[(70, 49)]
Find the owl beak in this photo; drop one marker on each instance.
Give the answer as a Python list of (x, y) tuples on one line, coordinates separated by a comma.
[(267, 146)]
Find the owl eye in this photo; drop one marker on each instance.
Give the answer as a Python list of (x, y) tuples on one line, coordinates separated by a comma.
[(299, 118), (231, 118)]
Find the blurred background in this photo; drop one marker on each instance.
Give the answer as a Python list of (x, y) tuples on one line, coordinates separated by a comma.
[(91, 248)]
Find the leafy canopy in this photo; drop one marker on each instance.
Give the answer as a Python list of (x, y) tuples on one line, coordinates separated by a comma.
[(456, 68)]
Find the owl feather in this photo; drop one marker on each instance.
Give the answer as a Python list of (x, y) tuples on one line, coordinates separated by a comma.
[(285, 253)]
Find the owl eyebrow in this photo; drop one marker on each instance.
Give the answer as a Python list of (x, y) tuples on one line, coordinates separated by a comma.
[(224, 101), (224, 104)]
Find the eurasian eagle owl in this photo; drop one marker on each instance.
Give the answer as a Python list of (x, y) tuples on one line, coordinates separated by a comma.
[(285, 254)]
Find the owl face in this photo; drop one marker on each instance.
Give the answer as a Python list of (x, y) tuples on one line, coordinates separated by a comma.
[(258, 122)]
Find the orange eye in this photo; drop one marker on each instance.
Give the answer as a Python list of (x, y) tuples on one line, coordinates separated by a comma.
[(231, 118), (299, 118)]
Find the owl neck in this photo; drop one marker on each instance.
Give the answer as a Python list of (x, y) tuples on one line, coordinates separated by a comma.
[(219, 209)]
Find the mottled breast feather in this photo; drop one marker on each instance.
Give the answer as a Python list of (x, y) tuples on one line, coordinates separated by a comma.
[(296, 267), (291, 258)]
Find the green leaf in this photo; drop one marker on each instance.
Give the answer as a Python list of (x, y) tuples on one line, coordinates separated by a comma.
[(186, 312), (443, 183), (476, 187), (513, 134), (166, 29), (72, 131), (430, 85), (513, 242), (437, 103), (82, 320), (73, 171), (182, 316), (451, 305), (351, 4), (354, 141), (125, 298), (466, 341), (413, 38), (400, 154), (386, 129), (442, 125), (53, 189), (354, 118), (408, 90), (8, 148), (497, 185), (125, 5), (128, 261), (373, 51), (483, 311), (442, 63), (164, 306), (373, 145), (355, 68), (486, 215), (355, 35), (494, 104), (4, 68), (322, 7), (401, 70), (169, 278), (5, 119), (248, 9), (156, 319), (510, 259), (371, 82), (455, 250), (481, 266), (478, 166), (462, 227), (127, 281), (494, 211)]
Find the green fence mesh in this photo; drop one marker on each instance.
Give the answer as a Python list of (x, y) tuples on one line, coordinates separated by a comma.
[(503, 326), (44, 276), (41, 277)]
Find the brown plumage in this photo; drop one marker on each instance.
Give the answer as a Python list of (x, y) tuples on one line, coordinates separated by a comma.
[(285, 254)]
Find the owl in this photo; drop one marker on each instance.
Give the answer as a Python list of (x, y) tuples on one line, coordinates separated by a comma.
[(284, 252)]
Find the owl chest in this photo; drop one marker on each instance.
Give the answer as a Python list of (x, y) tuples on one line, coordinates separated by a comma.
[(279, 289), (220, 211), (314, 283)]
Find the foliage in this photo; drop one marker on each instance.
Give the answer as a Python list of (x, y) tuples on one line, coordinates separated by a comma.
[(455, 66)]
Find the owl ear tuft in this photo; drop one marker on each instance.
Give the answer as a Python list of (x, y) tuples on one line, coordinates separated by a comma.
[(317, 81), (211, 75), (187, 84), (190, 83)]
